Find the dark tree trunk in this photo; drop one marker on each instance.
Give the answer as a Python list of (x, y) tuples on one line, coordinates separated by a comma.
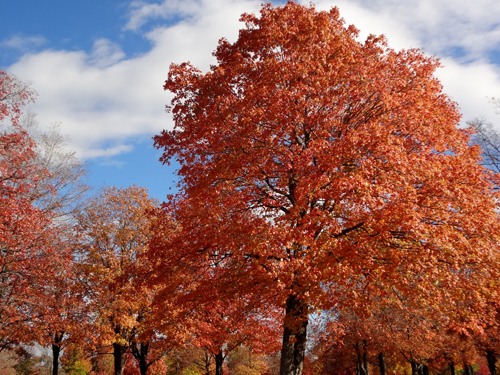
[(119, 352), (362, 354), (140, 353), (219, 362), (491, 357), (56, 351), (415, 367), (381, 364), (452, 368), (467, 369), (294, 337), (425, 370), (359, 362), (365, 357)]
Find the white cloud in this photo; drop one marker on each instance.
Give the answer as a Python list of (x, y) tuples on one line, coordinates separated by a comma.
[(23, 43), (110, 151), (437, 26), (472, 86), (103, 98), (141, 11), (105, 53)]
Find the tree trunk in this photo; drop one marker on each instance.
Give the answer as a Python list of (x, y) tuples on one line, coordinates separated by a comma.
[(219, 361), (381, 364), (452, 368), (56, 351), (365, 357), (415, 367), (119, 352), (492, 360), (362, 355), (425, 370), (140, 353), (208, 359), (467, 369), (294, 337)]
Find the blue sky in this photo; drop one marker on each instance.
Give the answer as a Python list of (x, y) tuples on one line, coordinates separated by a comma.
[(99, 65)]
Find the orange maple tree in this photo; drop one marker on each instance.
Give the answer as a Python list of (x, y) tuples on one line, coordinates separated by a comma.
[(327, 162), (214, 301), (116, 230)]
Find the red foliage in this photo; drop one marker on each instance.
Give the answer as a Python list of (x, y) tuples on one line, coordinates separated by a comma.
[(323, 165), (28, 254)]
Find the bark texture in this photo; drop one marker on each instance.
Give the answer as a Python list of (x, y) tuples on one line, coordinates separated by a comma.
[(294, 337)]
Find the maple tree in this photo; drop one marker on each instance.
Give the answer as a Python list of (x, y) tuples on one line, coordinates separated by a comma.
[(342, 158), (115, 226), (222, 326), (244, 361), (217, 313), (29, 253), (45, 182)]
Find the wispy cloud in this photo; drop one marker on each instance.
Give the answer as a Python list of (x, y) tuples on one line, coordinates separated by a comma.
[(105, 53), (141, 11), (23, 43), (108, 152)]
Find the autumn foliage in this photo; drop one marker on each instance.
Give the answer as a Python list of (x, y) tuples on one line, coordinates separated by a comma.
[(30, 254), (320, 176), (342, 158)]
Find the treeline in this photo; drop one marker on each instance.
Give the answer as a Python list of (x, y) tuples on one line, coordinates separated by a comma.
[(319, 177)]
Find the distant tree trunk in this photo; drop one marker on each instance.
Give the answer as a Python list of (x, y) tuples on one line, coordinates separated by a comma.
[(452, 368), (381, 364), (425, 370), (219, 361), (467, 369), (365, 357), (140, 353), (56, 351), (119, 352), (492, 360), (415, 367), (294, 336), (208, 359), (362, 354)]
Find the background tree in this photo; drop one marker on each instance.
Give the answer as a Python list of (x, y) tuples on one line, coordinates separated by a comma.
[(488, 138), (220, 310), (29, 251), (66, 173), (342, 158), (57, 180), (116, 231)]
